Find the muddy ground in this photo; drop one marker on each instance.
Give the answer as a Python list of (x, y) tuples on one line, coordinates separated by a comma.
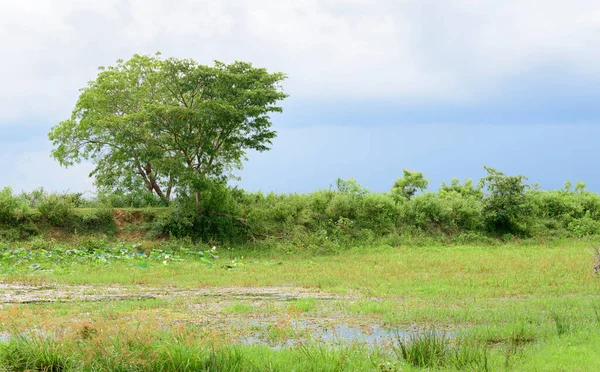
[(272, 310), (19, 293)]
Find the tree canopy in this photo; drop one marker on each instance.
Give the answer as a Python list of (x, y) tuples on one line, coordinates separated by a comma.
[(407, 186), (169, 124)]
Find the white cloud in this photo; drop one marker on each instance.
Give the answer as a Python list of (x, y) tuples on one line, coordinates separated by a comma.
[(183, 18), (411, 50)]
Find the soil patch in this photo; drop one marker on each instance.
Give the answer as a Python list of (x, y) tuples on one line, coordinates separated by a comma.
[(19, 293)]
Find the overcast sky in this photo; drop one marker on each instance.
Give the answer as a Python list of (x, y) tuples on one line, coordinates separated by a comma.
[(443, 87)]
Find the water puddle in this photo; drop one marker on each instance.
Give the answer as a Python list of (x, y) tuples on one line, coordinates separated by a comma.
[(339, 333), (302, 331)]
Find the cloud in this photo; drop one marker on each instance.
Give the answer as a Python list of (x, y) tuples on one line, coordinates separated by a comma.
[(409, 51), (184, 18), (480, 43)]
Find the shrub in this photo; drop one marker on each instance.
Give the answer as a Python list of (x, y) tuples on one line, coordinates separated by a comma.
[(379, 213), (100, 220), (584, 226), (448, 212), (407, 186), (465, 210), (425, 212), (505, 207), (34, 197), (58, 210), (350, 187), (466, 189), (215, 217), (12, 209), (343, 206)]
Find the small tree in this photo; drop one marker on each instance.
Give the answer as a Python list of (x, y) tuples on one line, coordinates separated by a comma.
[(407, 186), (580, 187), (350, 187), (505, 206), (11, 207), (467, 189), (170, 124)]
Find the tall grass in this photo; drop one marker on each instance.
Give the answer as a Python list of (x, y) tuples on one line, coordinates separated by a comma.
[(36, 354), (561, 322), (21, 354), (435, 350)]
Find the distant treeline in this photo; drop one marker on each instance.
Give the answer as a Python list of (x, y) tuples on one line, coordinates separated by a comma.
[(499, 206)]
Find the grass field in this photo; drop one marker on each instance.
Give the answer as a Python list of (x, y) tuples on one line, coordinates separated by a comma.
[(510, 307)]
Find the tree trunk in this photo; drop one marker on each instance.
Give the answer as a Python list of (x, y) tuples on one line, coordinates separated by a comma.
[(197, 194), (158, 191), (150, 181)]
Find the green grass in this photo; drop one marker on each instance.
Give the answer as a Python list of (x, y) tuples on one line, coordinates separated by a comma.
[(238, 307), (463, 272), (515, 307), (305, 305), (434, 350), (179, 356)]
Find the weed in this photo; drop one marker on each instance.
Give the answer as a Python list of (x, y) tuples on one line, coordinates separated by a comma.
[(239, 307), (596, 308), (425, 351), (304, 305), (281, 331), (521, 335), (561, 322), (38, 354), (435, 350)]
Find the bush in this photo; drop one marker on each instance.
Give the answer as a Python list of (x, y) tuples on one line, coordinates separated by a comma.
[(379, 213), (15, 221), (98, 220), (584, 226), (58, 210), (506, 209), (450, 213), (466, 189), (343, 206), (34, 197), (215, 217), (12, 209), (326, 220), (408, 185)]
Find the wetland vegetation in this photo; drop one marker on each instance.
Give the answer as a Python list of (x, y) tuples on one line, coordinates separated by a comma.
[(522, 305), (169, 268)]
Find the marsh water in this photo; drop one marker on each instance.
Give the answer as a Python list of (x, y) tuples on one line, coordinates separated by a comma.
[(267, 321)]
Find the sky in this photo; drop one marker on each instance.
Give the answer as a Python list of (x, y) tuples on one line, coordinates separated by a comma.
[(376, 86)]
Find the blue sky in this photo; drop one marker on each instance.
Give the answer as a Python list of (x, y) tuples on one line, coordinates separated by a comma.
[(375, 85)]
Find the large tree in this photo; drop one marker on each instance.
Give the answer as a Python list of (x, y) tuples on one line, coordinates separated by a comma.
[(167, 124)]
